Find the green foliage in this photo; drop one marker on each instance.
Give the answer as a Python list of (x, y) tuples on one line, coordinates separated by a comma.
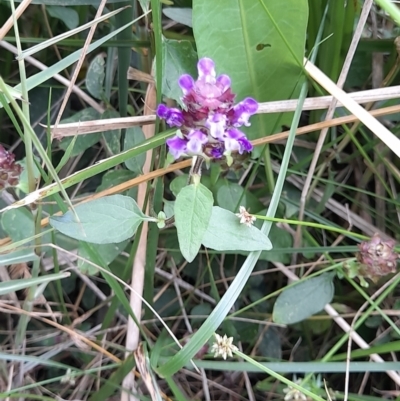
[(225, 233), (262, 55), (193, 208), (179, 58), (236, 281), (95, 77), (304, 299), (133, 137), (108, 220)]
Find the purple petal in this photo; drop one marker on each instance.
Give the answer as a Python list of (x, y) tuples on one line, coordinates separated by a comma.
[(245, 145), (234, 133), (162, 111), (186, 82), (217, 125), (250, 105), (231, 145), (196, 141), (224, 82), (236, 140), (172, 116), (217, 153), (243, 111), (206, 69), (175, 118), (177, 146)]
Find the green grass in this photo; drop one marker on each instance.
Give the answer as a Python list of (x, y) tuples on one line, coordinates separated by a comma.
[(67, 313)]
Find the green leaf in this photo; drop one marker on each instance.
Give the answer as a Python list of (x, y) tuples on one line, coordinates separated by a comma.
[(269, 343), (94, 3), (84, 141), (95, 76), (245, 44), (280, 239), (179, 58), (37, 79), (193, 207), (107, 252), (231, 195), (114, 177), (181, 15), (67, 154), (23, 184), (111, 219), (112, 137), (225, 233), (133, 137), (304, 299), (178, 183), (66, 14), (18, 224)]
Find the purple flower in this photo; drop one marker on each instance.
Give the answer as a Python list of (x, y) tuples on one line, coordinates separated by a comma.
[(243, 111), (208, 124), (177, 146), (173, 117)]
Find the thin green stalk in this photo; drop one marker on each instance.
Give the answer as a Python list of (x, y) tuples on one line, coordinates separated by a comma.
[(277, 376), (391, 8), (314, 225)]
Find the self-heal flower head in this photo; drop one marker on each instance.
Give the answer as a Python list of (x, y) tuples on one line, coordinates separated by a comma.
[(377, 257), (10, 171), (208, 124)]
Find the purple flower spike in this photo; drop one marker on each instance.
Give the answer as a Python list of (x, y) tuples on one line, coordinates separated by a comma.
[(172, 116), (177, 146), (206, 69), (186, 82), (208, 124)]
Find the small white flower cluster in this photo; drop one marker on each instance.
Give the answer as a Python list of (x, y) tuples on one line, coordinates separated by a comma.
[(294, 394), (223, 346), (245, 216)]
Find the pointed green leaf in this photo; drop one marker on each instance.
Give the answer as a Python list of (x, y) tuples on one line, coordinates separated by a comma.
[(83, 142), (111, 219), (68, 15), (303, 299), (225, 233), (107, 252), (180, 15), (193, 208), (112, 138), (179, 58), (134, 136), (245, 43), (95, 76)]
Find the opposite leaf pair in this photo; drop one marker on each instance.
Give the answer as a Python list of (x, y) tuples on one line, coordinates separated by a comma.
[(116, 218)]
